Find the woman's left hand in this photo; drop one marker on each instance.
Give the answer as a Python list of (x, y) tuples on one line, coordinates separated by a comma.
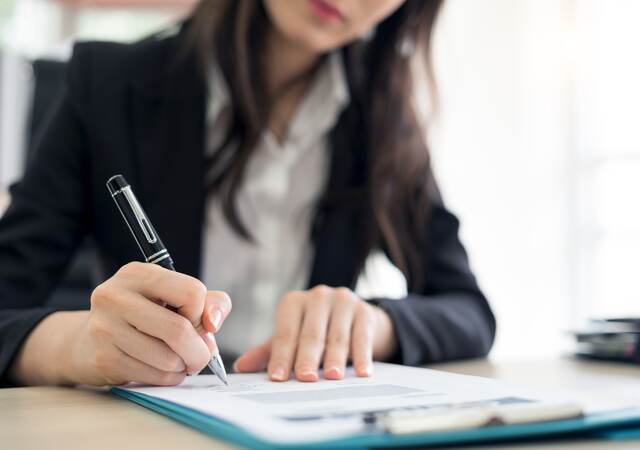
[(327, 326)]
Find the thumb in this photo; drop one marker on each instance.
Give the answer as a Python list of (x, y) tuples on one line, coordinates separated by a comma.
[(217, 307), (254, 359)]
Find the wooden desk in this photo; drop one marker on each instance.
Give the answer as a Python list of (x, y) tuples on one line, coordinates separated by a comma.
[(66, 418)]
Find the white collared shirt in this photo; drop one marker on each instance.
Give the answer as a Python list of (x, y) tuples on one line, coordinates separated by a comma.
[(283, 183)]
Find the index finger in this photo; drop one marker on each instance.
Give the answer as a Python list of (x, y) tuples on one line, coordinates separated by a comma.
[(285, 339), (184, 293)]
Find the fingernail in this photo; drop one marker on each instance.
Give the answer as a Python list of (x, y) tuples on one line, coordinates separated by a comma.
[(333, 371), (368, 369), (216, 318), (365, 370), (278, 374), (235, 366), (308, 374), (208, 339)]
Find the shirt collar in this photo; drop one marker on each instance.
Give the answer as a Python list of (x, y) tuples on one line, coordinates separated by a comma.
[(218, 93), (323, 103)]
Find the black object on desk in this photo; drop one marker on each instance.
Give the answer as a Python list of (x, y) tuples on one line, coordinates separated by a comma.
[(616, 339)]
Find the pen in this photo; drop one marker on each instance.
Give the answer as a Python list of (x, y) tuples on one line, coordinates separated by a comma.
[(150, 243)]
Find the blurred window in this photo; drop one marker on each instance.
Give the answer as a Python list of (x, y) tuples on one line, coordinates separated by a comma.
[(607, 99), (537, 147)]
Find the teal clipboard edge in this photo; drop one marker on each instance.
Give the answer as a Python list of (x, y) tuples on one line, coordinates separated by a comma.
[(627, 418)]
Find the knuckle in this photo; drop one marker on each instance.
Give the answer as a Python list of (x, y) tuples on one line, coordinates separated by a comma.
[(343, 294), (100, 296), (144, 273), (180, 330), (104, 296), (283, 340), (196, 290), (290, 297), (311, 336), (337, 340), (171, 362), (133, 268), (175, 363), (321, 289), (288, 303), (286, 318)]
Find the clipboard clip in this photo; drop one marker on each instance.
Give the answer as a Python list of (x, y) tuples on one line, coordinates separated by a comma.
[(462, 417)]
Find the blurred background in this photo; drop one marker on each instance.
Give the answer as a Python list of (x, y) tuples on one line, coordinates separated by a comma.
[(536, 145)]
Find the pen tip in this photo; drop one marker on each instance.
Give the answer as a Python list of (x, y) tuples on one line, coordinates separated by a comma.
[(217, 368)]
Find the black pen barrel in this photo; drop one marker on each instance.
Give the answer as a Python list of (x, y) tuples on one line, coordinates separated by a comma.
[(140, 226)]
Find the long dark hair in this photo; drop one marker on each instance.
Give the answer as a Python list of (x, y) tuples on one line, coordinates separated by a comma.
[(380, 74)]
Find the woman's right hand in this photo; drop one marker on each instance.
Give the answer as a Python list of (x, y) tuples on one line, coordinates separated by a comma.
[(130, 336)]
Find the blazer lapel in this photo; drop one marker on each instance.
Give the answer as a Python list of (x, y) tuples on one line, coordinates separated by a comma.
[(169, 139)]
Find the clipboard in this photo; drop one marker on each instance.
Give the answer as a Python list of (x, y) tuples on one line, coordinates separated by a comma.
[(493, 425)]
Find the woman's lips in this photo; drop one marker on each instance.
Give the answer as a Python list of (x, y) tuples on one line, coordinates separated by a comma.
[(325, 11)]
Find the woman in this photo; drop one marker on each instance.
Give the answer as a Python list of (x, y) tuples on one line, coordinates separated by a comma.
[(274, 146)]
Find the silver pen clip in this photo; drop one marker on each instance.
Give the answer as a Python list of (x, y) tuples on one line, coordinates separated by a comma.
[(140, 216)]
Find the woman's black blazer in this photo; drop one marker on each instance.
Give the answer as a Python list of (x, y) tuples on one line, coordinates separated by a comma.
[(129, 109)]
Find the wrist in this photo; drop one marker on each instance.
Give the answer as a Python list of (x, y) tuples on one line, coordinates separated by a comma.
[(46, 356), (385, 342), (68, 350)]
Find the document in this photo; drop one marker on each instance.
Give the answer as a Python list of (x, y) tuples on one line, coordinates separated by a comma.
[(290, 412)]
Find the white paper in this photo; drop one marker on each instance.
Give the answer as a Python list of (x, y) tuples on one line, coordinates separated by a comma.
[(293, 411)]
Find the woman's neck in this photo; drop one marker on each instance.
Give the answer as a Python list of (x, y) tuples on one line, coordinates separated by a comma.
[(287, 62), (289, 67)]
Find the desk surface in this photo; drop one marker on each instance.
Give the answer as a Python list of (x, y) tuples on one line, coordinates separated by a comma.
[(66, 418)]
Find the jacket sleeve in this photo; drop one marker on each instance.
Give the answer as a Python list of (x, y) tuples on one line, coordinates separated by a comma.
[(44, 223), (449, 318)]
